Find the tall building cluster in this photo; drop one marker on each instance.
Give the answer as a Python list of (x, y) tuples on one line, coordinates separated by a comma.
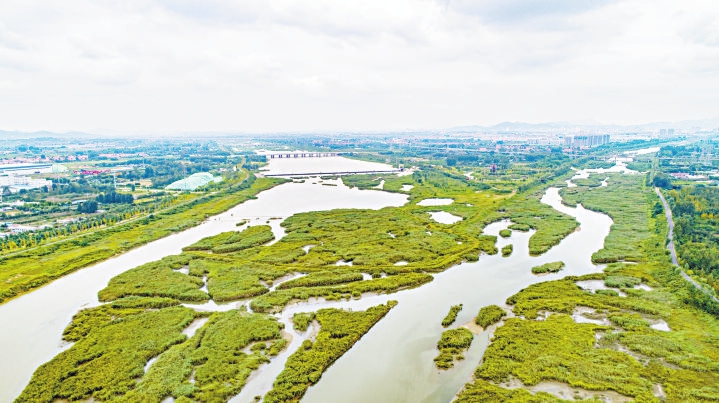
[(586, 140)]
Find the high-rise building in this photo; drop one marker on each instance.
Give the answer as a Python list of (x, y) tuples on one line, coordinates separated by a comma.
[(586, 140)]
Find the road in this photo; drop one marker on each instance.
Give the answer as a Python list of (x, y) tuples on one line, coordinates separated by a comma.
[(670, 245)]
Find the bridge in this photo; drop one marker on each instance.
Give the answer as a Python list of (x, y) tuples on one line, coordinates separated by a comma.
[(337, 173), (303, 155)]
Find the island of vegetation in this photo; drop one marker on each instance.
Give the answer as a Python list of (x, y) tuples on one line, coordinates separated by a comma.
[(451, 347), (507, 250), (451, 315), (551, 267), (339, 331)]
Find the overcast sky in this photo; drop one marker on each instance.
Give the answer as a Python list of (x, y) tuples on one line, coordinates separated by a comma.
[(262, 66)]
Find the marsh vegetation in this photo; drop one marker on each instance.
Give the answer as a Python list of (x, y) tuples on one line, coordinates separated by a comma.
[(551, 267)]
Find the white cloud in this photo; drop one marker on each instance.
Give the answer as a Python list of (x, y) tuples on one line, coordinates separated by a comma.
[(355, 64)]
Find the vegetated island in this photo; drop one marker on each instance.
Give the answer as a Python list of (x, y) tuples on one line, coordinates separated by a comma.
[(507, 250), (452, 345), (339, 331), (551, 267), (451, 315)]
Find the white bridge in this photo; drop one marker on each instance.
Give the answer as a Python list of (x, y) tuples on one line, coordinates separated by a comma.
[(302, 155)]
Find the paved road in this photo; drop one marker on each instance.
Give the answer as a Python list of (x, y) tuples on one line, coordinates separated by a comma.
[(670, 245)]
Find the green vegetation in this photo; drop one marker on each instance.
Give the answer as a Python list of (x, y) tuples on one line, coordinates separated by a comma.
[(274, 301), (452, 315), (696, 209), (483, 391), (527, 212), (630, 226), (339, 331), (622, 281), (505, 233), (114, 344), (302, 320), (216, 357), (519, 227), (234, 241), (107, 356), (451, 346), (322, 278), (489, 315), (624, 353), (507, 250), (30, 269), (551, 267), (156, 279)]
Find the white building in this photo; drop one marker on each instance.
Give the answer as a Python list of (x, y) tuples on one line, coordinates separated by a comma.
[(15, 183), (25, 169)]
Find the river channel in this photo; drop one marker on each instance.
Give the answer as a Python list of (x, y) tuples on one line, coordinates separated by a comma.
[(391, 363)]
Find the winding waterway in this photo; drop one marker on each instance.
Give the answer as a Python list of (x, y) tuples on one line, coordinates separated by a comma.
[(391, 363), (32, 324)]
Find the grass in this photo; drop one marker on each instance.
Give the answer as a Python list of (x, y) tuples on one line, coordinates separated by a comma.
[(451, 347), (624, 354), (274, 301), (505, 233), (109, 356), (232, 241), (217, 356), (551, 267), (339, 331), (630, 226), (322, 278), (156, 279), (302, 320), (507, 250), (527, 212), (489, 315), (114, 344), (484, 391), (30, 269), (451, 315)]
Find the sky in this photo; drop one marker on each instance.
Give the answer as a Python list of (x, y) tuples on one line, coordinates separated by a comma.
[(162, 66)]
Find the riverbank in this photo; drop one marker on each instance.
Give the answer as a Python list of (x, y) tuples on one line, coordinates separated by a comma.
[(24, 271)]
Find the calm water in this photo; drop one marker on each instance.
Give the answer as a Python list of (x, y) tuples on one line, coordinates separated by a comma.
[(32, 325), (392, 363)]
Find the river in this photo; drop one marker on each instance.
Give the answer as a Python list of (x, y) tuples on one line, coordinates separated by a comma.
[(391, 363), (32, 324)]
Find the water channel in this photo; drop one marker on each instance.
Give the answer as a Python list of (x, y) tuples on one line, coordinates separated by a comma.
[(391, 363), (32, 324)]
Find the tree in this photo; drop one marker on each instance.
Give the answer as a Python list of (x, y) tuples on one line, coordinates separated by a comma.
[(87, 207)]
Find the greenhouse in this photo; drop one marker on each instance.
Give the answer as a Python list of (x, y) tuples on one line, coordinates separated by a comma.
[(194, 181)]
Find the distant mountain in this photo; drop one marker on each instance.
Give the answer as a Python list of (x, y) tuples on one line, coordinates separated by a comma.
[(704, 124), (562, 126), (16, 135)]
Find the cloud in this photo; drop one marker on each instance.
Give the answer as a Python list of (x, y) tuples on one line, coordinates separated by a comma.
[(526, 12), (354, 64)]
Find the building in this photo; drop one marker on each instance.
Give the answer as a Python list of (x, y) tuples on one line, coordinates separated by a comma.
[(25, 169), (16, 183), (586, 140)]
